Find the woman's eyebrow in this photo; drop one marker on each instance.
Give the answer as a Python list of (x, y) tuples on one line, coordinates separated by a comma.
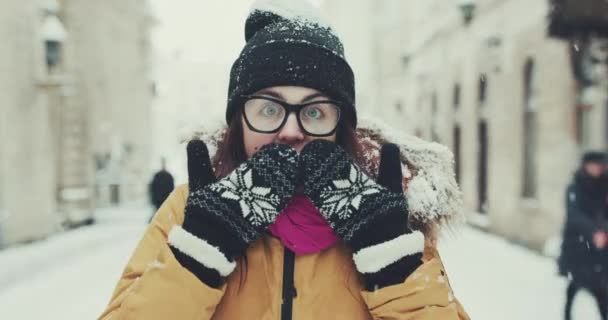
[(313, 96), (271, 93), (278, 95)]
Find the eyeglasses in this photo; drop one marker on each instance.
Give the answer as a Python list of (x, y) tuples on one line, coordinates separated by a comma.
[(268, 115)]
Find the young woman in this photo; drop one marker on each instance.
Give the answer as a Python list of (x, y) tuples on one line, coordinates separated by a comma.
[(293, 219)]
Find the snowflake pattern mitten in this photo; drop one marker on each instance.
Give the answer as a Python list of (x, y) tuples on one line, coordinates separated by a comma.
[(370, 216), (223, 217)]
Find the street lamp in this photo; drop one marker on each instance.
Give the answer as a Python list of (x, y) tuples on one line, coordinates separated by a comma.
[(467, 9), (53, 33)]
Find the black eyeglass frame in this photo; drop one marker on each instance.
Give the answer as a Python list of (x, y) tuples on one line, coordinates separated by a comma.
[(289, 108)]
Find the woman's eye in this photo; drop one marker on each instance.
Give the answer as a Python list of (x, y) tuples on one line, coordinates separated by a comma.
[(313, 113), (270, 110)]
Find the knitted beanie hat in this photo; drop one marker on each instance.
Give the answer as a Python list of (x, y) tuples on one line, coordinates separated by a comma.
[(594, 156), (289, 45)]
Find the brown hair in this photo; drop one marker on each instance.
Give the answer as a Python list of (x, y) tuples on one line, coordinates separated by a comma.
[(231, 149)]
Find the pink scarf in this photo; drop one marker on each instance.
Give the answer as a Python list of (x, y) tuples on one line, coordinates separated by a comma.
[(301, 227)]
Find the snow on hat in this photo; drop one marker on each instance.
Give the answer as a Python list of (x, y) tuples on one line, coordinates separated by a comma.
[(289, 45)]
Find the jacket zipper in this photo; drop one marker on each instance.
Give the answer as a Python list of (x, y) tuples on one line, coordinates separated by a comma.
[(289, 290)]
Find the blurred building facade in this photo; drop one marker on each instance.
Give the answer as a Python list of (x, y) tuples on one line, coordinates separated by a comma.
[(74, 77), (483, 78)]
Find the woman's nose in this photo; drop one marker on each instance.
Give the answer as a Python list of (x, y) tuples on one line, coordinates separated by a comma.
[(291, 132)]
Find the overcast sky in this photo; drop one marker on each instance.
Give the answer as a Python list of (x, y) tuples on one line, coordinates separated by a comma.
[(199, 29), (202, 29)]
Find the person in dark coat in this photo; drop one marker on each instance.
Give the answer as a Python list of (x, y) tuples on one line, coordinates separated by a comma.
[(161, 186), (584, 257)]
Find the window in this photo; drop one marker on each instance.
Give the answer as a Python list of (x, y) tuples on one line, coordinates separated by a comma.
[(530, 134), (434, 117), (482, 151), (399, 107), (457, 134), (482, 170), (457, 142), (482, 90), (456, 96)]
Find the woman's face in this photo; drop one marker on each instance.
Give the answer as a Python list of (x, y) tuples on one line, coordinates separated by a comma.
[(290, 133)]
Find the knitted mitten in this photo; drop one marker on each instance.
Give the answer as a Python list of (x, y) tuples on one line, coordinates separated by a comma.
[(371, 217), (223, 217)]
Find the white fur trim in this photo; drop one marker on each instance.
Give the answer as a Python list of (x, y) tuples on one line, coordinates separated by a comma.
[(199, 250), (373, 259), (433, 193)]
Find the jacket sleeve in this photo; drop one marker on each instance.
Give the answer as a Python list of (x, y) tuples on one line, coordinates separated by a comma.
[(425, 294), (576, 220), (154, 285)]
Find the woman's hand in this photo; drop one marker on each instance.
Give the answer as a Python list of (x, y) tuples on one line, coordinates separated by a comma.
[(223, 217), (372, 217)]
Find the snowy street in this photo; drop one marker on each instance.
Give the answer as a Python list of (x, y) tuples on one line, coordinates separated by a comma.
[(72, 274), (495, 111)]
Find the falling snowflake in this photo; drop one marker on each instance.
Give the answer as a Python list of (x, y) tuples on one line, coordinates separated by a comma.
[(345, 195), (257, 204)]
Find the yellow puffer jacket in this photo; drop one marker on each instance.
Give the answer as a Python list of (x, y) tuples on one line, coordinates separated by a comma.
[(155, 286)]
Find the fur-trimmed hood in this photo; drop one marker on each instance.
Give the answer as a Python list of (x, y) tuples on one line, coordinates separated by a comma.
[(433, 195)]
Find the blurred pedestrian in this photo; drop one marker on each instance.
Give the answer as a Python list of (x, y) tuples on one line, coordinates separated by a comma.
[(584, 257), (161, 186), (299, 215)]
